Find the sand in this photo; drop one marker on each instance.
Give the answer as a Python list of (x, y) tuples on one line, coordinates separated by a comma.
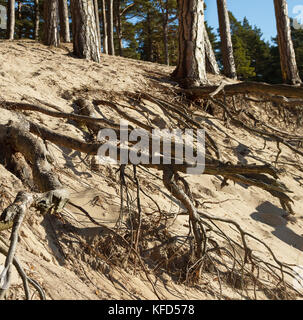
[(56, 253)]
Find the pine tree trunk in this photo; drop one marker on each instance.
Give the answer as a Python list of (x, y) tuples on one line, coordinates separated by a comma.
[(85, 36), (287, 53), (51, 31), (104, 24), (165, 33), (64, 21), (149, 38), (119, 31), (191, 69), (110, 29), (211, 62), (19, 15), (37, 20), (229, 65), (96, 7), (11, 19)]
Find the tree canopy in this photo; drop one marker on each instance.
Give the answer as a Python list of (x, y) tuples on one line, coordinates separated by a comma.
[(142, 30)]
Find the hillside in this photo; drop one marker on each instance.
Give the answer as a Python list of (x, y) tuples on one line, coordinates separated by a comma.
[(73, 258)]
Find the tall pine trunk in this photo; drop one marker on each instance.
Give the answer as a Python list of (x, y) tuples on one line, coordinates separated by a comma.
[(119, 30), (19, 17), (104, 27), (85, 36), (165, 33), (11, 19), (64, 21), (289, 67), (96, 7), (211, 62), (229, 65), (37, 20), (149, 37), (191, 68), (110, 29), (51, 26)]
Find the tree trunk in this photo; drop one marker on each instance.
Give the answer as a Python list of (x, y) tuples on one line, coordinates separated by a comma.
[(37, 20), (211, 62), (11, 19), (191, 69), (149, 38), (85, 36), (110, 29), (287, 54), (105, 26), (64, 21), (119, 31), (227, 46), (96, 7), (19, 17), (165, 33), (51, 31)]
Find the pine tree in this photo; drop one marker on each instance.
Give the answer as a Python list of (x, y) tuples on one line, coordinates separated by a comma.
[(110, 27), (297, 38), (85, 36), (11, 19), (51, 26), (191, 68), (64, 21), (37, 20), (226, 41), (289, 67)]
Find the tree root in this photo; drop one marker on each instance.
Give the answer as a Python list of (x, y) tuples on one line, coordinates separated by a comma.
[(235, 262), (53, 198)]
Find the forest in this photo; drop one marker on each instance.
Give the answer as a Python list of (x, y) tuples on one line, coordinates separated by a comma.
[(147, 30), (223, 222)]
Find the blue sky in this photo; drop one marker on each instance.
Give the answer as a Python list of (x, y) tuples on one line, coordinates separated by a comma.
[(258, 12)]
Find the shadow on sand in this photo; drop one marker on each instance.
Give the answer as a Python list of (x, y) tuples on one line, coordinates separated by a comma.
[(271, 215)]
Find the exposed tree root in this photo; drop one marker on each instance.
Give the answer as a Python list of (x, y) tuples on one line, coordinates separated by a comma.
[(53, 198), (258, 88), (207, 248)]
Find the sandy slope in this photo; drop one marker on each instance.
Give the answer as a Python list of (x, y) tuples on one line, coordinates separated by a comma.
[(56, 253)]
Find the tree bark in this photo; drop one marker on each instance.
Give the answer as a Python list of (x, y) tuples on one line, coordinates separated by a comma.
[(64, 21), (11, 19), (19, 17), (229, 66), (51, 28), (85, 36), (37, 20), (96, 7), (105, 26), (110, 29), (191, 68), (289, 67), (211, 62), (165, 32), (281, 91), (119, 31), (149, 37)]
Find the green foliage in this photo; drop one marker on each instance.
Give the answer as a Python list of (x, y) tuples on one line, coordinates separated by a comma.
[(25, 19), (147, 30), (143, 37), (242, 59), (255, 59)]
